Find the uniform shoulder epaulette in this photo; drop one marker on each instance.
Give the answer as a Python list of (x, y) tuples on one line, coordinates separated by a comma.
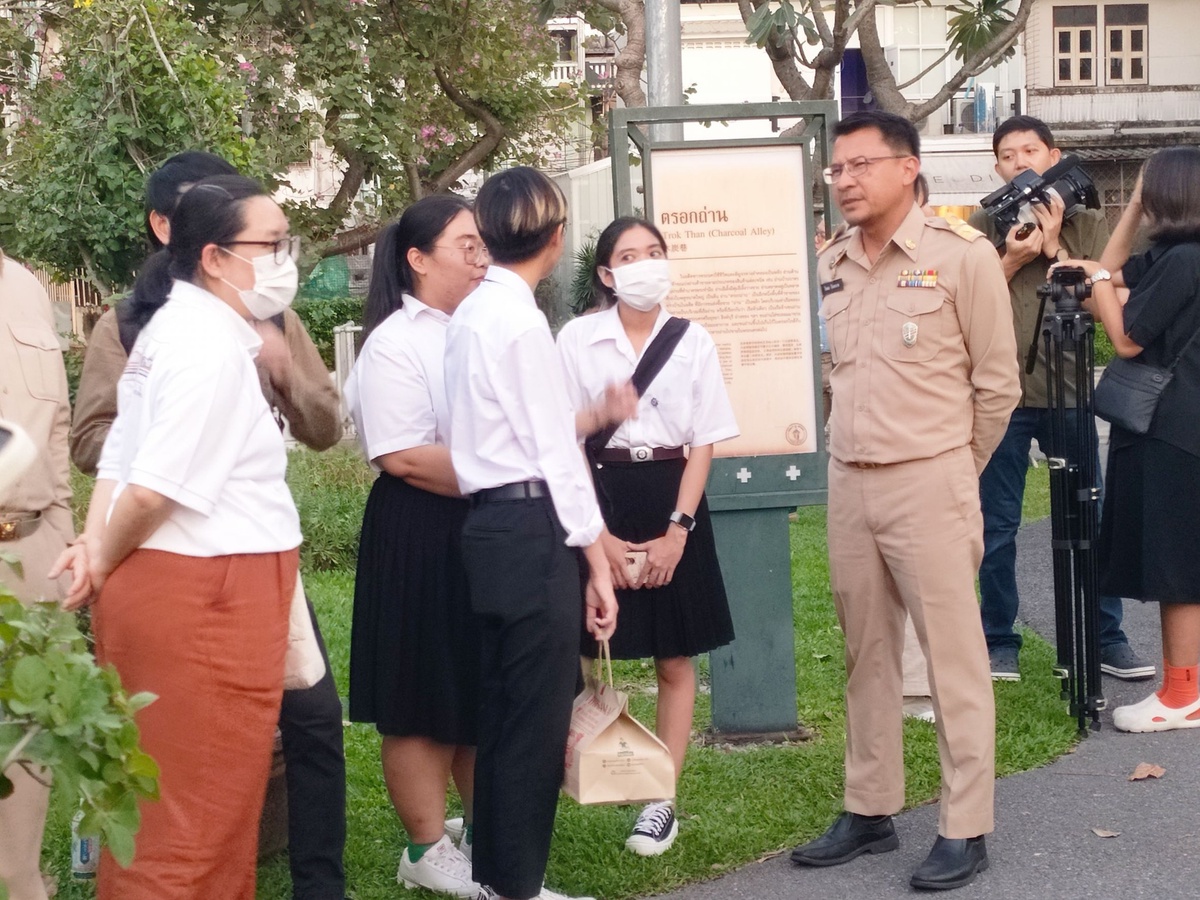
[(956, 225), (840, 233)]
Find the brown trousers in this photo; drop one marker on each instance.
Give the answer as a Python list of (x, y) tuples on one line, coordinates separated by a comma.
[(909, 537), (208, 636)]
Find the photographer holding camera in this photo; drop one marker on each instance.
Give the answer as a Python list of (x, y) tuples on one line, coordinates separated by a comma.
[(1024, 144)]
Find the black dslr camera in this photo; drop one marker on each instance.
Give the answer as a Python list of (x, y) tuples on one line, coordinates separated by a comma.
[(1011, 204)]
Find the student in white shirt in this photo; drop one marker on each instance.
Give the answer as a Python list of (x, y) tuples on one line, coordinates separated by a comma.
[(650, 479), (512, 443), (414, 645), (190, 548)]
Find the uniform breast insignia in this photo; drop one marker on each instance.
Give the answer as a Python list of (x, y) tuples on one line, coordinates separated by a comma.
[(908, 333), (923, 278), (831, 287)]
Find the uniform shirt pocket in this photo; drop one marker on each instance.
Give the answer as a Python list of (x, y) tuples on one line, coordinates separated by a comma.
[(912, 325), (835, 311), (40, 359)]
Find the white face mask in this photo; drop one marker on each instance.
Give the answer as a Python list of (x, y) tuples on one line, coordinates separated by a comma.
[(275, 285), (643, 284)]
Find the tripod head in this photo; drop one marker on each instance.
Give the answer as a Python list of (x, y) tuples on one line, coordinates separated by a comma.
[(1068, 287)]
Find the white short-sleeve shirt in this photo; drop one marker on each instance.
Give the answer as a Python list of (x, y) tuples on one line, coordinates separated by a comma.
[(192, 425), (396, 392), (686, 404), (510, 417)]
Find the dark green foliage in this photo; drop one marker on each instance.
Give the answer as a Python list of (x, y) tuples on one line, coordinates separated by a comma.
[(320, 316)]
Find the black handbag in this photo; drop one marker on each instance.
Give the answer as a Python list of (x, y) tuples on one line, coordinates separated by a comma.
[(1128, 392)]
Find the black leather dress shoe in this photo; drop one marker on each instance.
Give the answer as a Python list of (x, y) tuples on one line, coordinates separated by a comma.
[(850, 836), (952, 863)]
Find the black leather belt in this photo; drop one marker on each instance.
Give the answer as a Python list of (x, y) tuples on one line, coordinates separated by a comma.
[(638, 454), (521, 490), (13, 528)]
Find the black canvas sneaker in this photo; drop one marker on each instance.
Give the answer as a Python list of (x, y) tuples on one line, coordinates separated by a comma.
[(655, 830)]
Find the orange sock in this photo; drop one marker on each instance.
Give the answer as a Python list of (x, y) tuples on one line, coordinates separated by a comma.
[(1179, 686)]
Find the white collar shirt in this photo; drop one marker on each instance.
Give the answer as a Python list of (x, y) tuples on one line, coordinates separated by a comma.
[(192, 425), (686, 404), (510, 417), (396, 392)]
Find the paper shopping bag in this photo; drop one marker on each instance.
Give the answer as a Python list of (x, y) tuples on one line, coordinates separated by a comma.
[(611, 756), (303, 665)]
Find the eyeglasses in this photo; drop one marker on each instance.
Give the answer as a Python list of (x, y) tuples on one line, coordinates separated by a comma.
[(856, 167), (473, 254), (283, 249)]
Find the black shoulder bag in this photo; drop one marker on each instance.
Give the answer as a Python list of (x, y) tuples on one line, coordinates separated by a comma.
[(647, 370), (1128, 392)]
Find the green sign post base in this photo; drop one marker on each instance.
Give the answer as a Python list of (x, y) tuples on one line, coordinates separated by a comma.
[(754, 678)]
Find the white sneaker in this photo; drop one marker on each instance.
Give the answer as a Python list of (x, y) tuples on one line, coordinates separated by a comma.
[(486, 893), (456, 828), (655, 830), (547, 894), (443, 869)]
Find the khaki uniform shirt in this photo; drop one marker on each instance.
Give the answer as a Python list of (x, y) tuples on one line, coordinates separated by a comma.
[(33, 394), (310, 404), (1083, 236), (924, 358)]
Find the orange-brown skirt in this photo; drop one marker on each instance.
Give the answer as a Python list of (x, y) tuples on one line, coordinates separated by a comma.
[(208, 636)]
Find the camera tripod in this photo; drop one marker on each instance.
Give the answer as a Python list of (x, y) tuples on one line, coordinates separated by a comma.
[(1069, 331)]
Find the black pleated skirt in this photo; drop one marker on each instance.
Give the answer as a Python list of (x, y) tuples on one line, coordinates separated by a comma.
[(1149, 546), (414, 643), (690, 615)]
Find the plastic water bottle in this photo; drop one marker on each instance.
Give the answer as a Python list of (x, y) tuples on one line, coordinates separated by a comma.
[(85, 852)]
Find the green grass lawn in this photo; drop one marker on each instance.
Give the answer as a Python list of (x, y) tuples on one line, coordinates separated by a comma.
[(735, 806)]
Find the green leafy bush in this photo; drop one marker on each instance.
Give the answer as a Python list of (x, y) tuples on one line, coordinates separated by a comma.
[(321, 315), (59, 710), (581, 278), (330, 490)]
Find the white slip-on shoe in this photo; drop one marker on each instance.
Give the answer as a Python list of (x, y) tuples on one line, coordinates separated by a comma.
[(1152, 714), (443, 868)]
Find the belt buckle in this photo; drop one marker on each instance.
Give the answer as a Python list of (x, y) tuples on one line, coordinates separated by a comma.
[(8, 531), (641, 454)]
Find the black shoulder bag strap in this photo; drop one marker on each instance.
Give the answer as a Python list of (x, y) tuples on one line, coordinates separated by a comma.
[(647, 370)]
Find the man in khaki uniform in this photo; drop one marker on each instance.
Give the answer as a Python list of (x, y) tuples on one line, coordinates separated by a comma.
[(35, 523), (925, 376)]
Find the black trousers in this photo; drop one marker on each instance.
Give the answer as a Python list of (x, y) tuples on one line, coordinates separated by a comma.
[(310, 721), (525, 589)]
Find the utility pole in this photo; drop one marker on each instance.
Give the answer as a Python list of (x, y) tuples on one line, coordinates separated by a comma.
[(664, 67)]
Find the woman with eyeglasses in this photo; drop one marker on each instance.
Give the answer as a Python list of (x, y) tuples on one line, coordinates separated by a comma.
[(414, 647), (190, 548)]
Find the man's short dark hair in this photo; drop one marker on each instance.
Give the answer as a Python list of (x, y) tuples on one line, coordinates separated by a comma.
[(1021, 123), (898, 133)]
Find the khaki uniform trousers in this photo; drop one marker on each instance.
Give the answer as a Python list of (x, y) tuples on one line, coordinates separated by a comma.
[(909, 536), (23, 814)]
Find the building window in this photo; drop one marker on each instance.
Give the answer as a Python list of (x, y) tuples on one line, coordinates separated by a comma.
[(1125, 42), (1074, 46)]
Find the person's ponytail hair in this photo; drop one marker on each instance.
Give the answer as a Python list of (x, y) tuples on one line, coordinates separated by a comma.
[(211, 212), (391, 275)]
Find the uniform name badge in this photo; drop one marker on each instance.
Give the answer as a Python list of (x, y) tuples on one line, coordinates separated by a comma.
[(908, 333)]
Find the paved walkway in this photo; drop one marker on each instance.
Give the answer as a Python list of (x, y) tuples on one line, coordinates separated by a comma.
[(1043, 846)]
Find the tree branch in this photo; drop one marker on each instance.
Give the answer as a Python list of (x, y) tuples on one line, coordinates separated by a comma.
[(632, 58), (493, 133)]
